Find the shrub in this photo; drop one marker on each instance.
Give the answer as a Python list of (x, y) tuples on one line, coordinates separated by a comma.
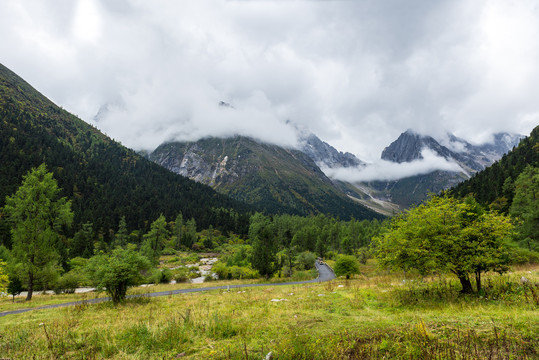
[(234, 272), (346, 265), (117, 271), (305, 260), (181, 275), (68, 282), (168, 251)]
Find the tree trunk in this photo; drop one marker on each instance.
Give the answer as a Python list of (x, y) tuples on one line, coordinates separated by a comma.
[(478, 280), (466, 284), (30, 287)]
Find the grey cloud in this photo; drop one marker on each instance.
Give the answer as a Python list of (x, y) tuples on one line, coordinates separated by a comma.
[(357, 73), (386, 170)]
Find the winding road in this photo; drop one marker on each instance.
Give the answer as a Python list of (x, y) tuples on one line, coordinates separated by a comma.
[(324, 274)]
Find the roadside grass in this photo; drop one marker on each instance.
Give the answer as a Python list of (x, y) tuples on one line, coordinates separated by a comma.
[(7, 303), (369, 317)]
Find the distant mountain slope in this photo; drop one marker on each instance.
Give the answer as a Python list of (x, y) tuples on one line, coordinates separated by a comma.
[(325, 155), (409, 146), (104, 179), (488, 185), (471, 158), (270, 177)]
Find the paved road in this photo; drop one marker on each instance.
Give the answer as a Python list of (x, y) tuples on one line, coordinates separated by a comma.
[(324, 274)]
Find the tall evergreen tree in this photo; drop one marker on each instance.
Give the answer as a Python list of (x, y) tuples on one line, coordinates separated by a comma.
[(154, 240), (179, 231), (37, 218), (83, 242), (264, 253), (190, 235), (526, 206), (121, 237)]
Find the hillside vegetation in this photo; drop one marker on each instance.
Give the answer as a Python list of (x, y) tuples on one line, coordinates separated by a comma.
[(104, 180), (495, 184), (269, 177)]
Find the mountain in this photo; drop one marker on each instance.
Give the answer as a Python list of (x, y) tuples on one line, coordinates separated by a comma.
[(325, 155), (104, 180), (272, 178), (408, 147), (471, 158), (495, 183)]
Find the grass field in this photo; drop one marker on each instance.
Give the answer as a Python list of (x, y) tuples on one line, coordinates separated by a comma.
[(371, 317)]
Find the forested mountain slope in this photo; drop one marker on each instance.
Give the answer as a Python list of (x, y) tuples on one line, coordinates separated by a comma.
[(104, 179), (495, 183), (270, 177)]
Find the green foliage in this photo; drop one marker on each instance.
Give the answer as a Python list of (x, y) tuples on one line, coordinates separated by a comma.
[(121, 238), (117, 271), (69, 282), (82, 243), (494, 184), (160, 276), (15, 286), (525, 206), (225, 272), (103, 179), (274, 180), (37, 217), (346, 265), (155, 239), (208, 240), (261, 233), (4, 279), (237, 254), (305, 260), (190, 236), (445, 234)]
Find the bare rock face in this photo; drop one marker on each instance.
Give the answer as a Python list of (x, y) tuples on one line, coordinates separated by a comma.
[(195, 162), (325, 155), (472, 158), (270, 177)]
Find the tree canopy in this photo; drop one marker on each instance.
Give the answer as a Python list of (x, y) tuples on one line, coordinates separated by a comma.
[(346, 265), (526, 206), (117, 271), (446, 235), (37, 218)]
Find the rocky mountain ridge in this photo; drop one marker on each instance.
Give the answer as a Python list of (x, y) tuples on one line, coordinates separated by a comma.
[(471, 158), (267, 176), (325, 155)]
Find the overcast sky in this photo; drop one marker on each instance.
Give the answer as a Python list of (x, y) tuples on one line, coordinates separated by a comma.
[(356, 73)]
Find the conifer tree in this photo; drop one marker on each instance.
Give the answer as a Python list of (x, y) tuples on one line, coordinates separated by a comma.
[(155, 239), (36, 217)]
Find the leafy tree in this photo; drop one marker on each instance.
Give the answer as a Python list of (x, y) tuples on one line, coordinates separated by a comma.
[(154, 240), (306, 260), (117, 271), (346, 265), (526, 206), (36, 217), (447, 235)]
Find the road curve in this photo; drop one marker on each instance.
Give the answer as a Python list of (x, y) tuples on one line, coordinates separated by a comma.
[(324, 274)]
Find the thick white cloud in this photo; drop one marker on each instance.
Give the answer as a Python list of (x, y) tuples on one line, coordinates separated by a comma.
[(357, 73), (387, 170)]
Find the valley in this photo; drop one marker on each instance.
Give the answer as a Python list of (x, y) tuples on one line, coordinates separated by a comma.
[(453, 276)]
